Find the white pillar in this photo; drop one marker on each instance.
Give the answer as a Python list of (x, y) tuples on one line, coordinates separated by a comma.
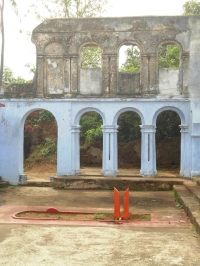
[(75, 152), (185, 156), (148, 151), (110, 156)]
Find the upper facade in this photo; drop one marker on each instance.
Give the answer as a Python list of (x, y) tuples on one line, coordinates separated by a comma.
[(60, 43)]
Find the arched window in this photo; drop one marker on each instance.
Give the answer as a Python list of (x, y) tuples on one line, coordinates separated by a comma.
[(91, 56), (129, 70), (90, 70), (129, 58), (169, 56), (169, 69)]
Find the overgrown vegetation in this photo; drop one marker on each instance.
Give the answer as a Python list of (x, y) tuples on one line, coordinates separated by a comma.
[(91, 131), (91, 57), (129, 126), (177, 199), (167, 126), (48, 148), (8, 78), (169, 56)]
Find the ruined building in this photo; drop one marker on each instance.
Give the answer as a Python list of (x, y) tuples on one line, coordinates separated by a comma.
[(68, 90)]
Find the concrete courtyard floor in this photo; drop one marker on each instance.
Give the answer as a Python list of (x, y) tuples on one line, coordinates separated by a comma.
[(168, 239)]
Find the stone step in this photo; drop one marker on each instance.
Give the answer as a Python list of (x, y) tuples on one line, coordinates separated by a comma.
[(194, 189), (122, 183), (190, 204)]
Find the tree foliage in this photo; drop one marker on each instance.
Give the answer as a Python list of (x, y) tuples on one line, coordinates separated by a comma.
[(191, 8), (68, 8), (169, 56), (167, 124), (91, 131), (8, 78), (129, 126), (91, 57), (132, 63)]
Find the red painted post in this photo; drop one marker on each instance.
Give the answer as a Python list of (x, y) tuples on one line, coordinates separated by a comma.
[(116, 204), (126, 204)]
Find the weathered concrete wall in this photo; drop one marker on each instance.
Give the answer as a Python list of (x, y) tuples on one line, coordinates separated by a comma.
[(63, 39), (90, 81), (169, 82)]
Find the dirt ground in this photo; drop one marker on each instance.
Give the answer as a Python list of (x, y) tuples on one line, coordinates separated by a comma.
[(52, 245), (167, 240)]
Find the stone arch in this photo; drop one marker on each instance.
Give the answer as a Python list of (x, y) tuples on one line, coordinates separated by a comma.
[(169, 108), (129, 121), (87, 44), (123, 110), (130, 42), (85, 110), (168, 138), (169, 41)]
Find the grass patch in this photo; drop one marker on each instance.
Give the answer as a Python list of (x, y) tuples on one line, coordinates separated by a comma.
[(177, 199)]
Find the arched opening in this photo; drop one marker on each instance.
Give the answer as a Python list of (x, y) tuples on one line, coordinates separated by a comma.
[(168, 142), (169, 69), (91, 56), (90, 70), (40, 145), (129, 69), (91, 142), (129, 142)]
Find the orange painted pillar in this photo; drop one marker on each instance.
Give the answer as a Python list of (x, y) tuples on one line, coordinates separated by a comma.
[(116, 204), (126, 204)]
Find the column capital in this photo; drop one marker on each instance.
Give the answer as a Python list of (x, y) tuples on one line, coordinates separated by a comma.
[(184, 128), (109, 128), (148, 128), (149, 55), (185, 54), (75, 128)]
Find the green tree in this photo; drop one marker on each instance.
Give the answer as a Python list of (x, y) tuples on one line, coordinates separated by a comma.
[(14, 5), (132, 63), (8, 77), (169, 56), (90, 128), (191, 8)]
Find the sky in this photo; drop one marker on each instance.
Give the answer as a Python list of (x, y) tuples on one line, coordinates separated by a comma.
[(19, 50)]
